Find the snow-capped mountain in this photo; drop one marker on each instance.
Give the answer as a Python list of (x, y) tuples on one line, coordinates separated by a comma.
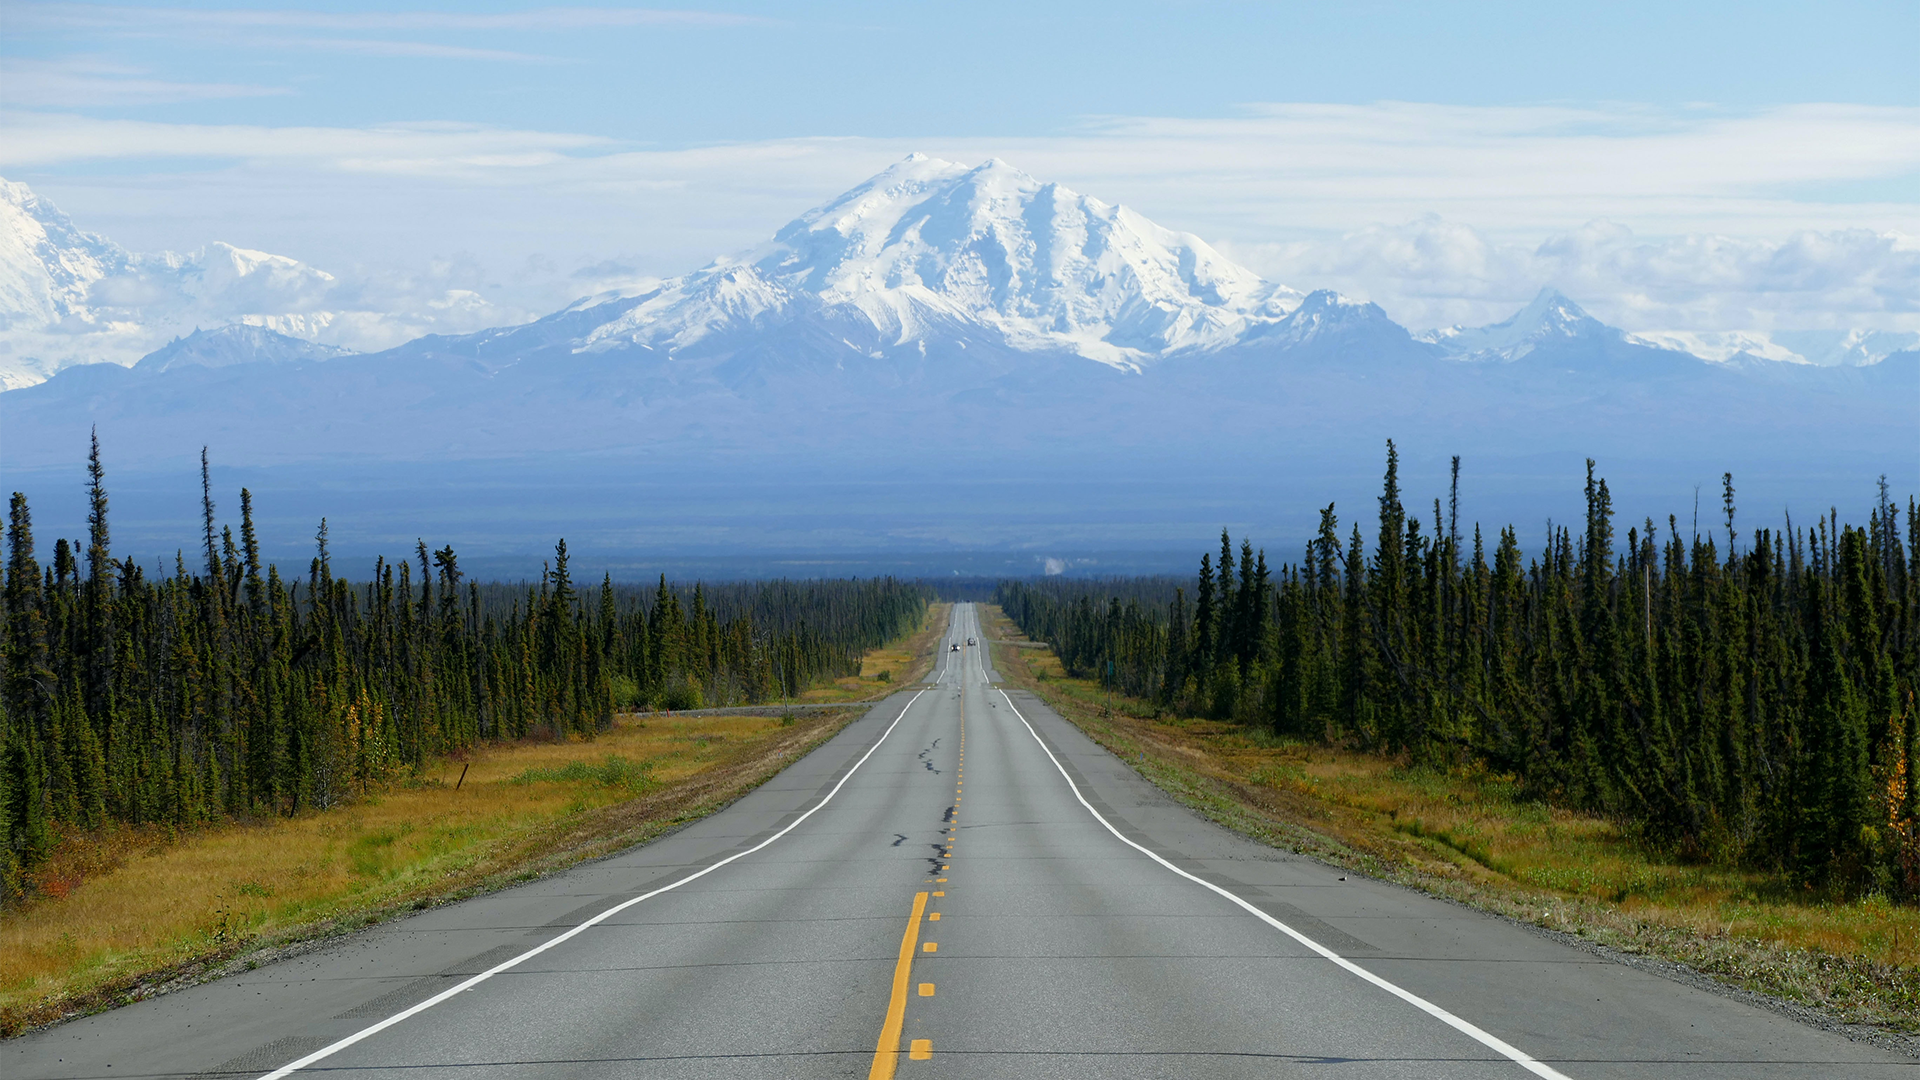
[(925, 263), (68, 296), (1549, 320), (1035, 353), (1328, 319), (1031, 347), (47, 267), (1819, 348), (236, 343), (47, 264), (929, 248)]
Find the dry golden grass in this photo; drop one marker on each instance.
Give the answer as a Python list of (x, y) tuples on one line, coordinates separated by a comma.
[(124, 911), (1468, 834), (149, 904), (888, 668)]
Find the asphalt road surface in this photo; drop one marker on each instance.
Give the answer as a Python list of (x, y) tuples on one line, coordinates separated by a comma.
[(959, 884)]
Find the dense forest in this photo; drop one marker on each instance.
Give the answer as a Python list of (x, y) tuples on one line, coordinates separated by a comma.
[(227, 689), (1745, 700)]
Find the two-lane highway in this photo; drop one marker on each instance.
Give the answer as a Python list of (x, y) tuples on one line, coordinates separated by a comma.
[(959, 884)]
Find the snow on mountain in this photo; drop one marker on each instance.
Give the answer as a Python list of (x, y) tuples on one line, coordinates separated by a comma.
[(928, 245), (1550, 320), (47, 264), (1326, 316), (1553, 322), (68, 297), (933, 303), (924, 268), (47, 267), (1720, 348), (236, 343), (1820, 348)]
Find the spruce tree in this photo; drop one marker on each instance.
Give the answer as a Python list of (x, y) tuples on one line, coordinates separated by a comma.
[(1205, 623), (98, 609), (29, 688)]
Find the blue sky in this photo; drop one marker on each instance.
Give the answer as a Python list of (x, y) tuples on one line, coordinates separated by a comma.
[(1422, 154), (748, 71)]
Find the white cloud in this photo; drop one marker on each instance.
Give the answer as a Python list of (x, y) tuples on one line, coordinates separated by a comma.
[(176, 21), (413, 50), (1294, 167), (42, 139), (1530, 169), (81, 81), (394, 34), (1435, 272)]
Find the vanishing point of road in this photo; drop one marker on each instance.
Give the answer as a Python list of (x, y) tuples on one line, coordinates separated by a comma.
[(960, 884)]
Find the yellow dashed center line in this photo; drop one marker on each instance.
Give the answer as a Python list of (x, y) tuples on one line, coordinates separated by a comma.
[(887, 1053)]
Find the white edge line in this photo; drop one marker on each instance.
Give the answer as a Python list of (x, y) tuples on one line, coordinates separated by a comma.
[(1486, 1038), (328, 1051)]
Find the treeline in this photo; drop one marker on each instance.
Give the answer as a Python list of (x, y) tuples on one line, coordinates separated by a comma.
[(228, 689), (1750, 702)]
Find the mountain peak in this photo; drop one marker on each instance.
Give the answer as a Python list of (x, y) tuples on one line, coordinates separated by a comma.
[(236, 343), (929, 243), (1549, 316), (1325, 316), (1551, 308)]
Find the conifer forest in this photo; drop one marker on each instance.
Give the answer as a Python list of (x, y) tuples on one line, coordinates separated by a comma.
[(1747, 699), (226, 688)]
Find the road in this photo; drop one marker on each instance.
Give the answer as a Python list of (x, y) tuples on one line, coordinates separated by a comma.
[(958, 884)]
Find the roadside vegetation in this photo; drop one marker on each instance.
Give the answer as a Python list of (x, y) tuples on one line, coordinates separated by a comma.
[(1687, 728), (194, 766), (885, 669), (1473, 835), (1744, 701), (236, 692), (128, 911)]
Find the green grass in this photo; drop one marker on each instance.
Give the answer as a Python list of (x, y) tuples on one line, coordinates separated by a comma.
[(613, 771)]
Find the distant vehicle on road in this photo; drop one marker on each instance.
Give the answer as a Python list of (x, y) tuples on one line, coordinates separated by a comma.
[(969, 641), (956, 647)]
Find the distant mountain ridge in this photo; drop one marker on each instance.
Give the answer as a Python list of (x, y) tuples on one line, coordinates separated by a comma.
[(938, 294), (236, 343), (71, 297), (1818, 348), (947, 356), (1550, 319), (927, 254)]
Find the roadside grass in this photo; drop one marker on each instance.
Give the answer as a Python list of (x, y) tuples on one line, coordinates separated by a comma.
[(126, 912), (139, 907), (888, 668), (1468, 834)]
